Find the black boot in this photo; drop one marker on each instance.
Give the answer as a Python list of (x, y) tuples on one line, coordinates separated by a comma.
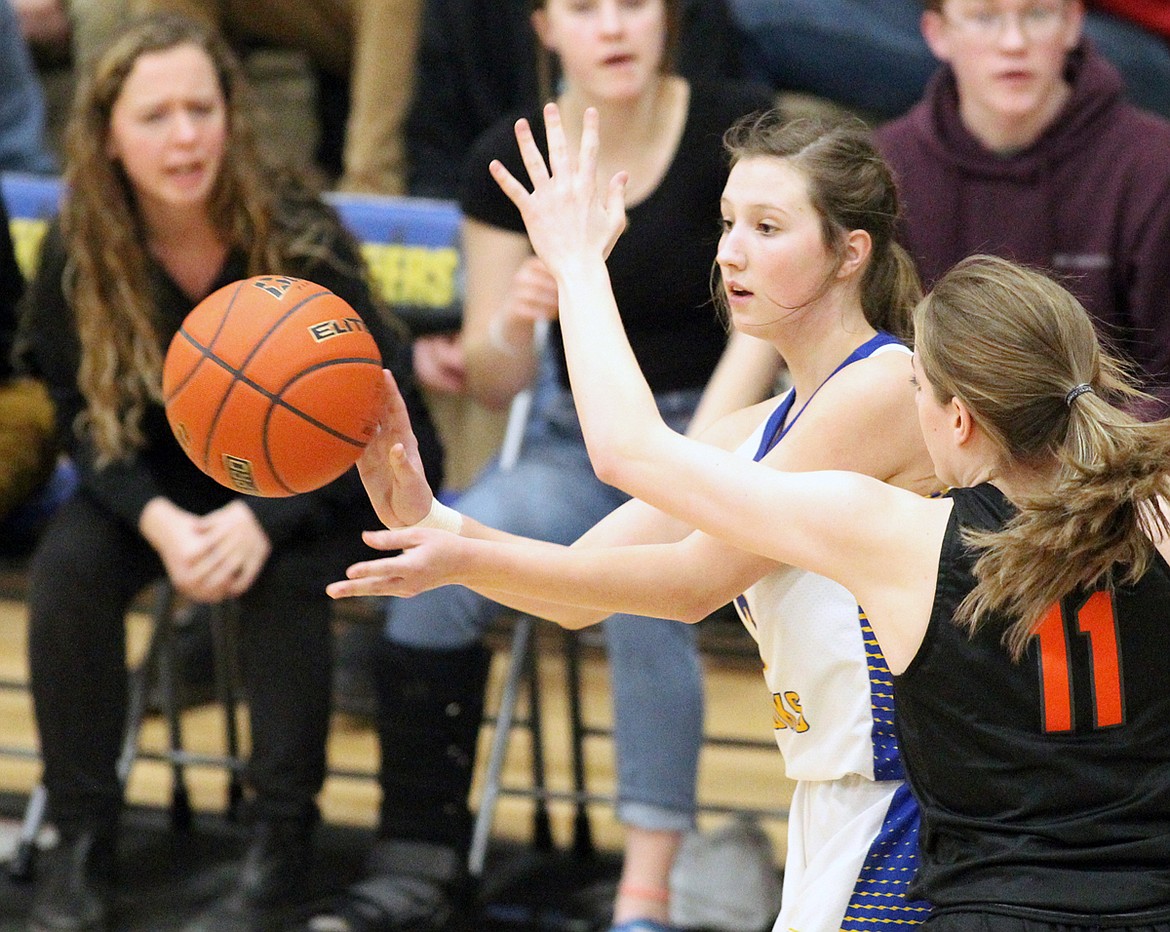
[(75, 891), (430, 704), (271, 880)]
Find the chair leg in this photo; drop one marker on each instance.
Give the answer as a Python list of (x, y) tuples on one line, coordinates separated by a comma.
[(223, 621), (23, 863), (582, 830), (542, 838), (505, 718)]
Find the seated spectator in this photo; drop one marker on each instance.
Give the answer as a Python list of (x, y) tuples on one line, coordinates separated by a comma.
[(26, 415), (869, 54), (432, 659), (168, 199), (1025, 147), (365, 46), (477, 63), (22, 102)]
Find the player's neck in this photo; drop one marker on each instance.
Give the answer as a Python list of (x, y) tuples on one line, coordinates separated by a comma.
[(813, 356)]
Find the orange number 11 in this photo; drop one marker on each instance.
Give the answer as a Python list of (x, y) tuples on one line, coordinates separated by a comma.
[(1097, 621)]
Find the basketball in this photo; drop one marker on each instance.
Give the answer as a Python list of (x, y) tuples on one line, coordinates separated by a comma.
[(272, 386)]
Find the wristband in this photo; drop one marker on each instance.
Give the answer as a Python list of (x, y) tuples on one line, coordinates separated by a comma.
[(442, 518)]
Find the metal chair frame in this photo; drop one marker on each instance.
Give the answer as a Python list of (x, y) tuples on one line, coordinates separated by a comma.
[(158, 662), (522, 673)]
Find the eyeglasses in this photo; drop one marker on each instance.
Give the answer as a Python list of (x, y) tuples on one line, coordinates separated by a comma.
[(1038, 22)]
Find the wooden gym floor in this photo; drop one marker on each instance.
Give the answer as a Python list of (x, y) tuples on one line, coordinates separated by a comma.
[(737, 706)]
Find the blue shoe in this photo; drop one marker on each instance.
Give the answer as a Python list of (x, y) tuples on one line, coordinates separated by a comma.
[(644, 925)]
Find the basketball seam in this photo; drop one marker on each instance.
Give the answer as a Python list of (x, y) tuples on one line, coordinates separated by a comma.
[(239, 374)]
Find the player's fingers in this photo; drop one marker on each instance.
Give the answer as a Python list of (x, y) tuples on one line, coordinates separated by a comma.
[(373, 586), (615, 208), (516, 192), (530, 153), (390, 539), (590, 144), (559, 160), (393, 405)]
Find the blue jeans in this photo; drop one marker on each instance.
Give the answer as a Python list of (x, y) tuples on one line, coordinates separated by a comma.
[(22, 102), (552, 494), (870, 55)]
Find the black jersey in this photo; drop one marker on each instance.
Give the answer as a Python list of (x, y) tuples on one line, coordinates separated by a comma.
[(1043, 783)]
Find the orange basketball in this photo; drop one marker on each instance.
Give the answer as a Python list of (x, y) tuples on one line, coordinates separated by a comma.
[(272, 385)]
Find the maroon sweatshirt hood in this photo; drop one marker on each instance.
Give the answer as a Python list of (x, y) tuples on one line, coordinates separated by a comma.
[(1089, 202)]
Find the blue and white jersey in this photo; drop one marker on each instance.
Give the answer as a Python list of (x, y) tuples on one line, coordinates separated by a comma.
[(832, 694), (853, 826)]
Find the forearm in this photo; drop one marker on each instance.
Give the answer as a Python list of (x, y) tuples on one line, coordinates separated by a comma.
[(602, 367), (579, 586)]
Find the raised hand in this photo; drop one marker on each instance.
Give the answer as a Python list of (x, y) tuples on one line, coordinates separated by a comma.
[(390, 466), (563, 215)]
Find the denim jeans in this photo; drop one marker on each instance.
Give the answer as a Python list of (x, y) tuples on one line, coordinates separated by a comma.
[(22, 102), (870, 55), (552, 494)]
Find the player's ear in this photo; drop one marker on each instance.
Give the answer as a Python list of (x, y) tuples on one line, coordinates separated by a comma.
[(858, 246), (962, 421)]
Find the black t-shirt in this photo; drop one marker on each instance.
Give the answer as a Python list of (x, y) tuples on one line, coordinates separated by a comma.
[(477, 62), (661, 266), (1043, 783)]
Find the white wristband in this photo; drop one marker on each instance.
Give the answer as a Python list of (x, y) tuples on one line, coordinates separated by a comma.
[(442, 518)]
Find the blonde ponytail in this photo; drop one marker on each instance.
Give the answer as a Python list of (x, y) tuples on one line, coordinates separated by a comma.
[(1016, 347)]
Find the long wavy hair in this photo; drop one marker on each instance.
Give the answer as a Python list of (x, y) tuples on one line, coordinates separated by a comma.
[(851, 188), (269, 211), (1011, 344)]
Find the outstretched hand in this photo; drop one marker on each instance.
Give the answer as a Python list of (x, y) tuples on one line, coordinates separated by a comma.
[(430, 558), (390, 466), (563, 215)]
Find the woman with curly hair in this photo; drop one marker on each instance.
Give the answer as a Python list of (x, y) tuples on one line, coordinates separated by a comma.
[(167, 199)]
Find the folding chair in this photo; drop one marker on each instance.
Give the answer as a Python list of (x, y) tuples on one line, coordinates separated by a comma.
[(522, 671), (158, 662)]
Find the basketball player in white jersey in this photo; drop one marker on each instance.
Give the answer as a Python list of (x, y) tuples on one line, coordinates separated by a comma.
[(808, 263)]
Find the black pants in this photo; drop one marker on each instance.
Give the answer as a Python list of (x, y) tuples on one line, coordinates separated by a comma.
[(86, 570)]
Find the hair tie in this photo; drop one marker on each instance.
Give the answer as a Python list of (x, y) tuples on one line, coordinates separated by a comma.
[(1076, 391)]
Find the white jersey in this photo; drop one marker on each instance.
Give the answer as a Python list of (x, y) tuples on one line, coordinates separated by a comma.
[(853, 827)]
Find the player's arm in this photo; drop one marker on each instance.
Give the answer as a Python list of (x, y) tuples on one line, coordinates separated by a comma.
[(870, 537), (394, 479), (573, 586)]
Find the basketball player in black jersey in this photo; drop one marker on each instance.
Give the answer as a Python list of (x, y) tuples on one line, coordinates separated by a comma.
[(1025, 615)]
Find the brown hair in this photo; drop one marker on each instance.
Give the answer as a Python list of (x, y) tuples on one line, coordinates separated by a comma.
[(268, 211), (851, 188), (548, 68), (1012, 344)]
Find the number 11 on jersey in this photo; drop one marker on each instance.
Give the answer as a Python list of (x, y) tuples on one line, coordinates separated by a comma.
[(1096, 621)]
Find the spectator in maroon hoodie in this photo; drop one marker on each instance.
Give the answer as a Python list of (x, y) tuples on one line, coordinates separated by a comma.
[(1024, 147)]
